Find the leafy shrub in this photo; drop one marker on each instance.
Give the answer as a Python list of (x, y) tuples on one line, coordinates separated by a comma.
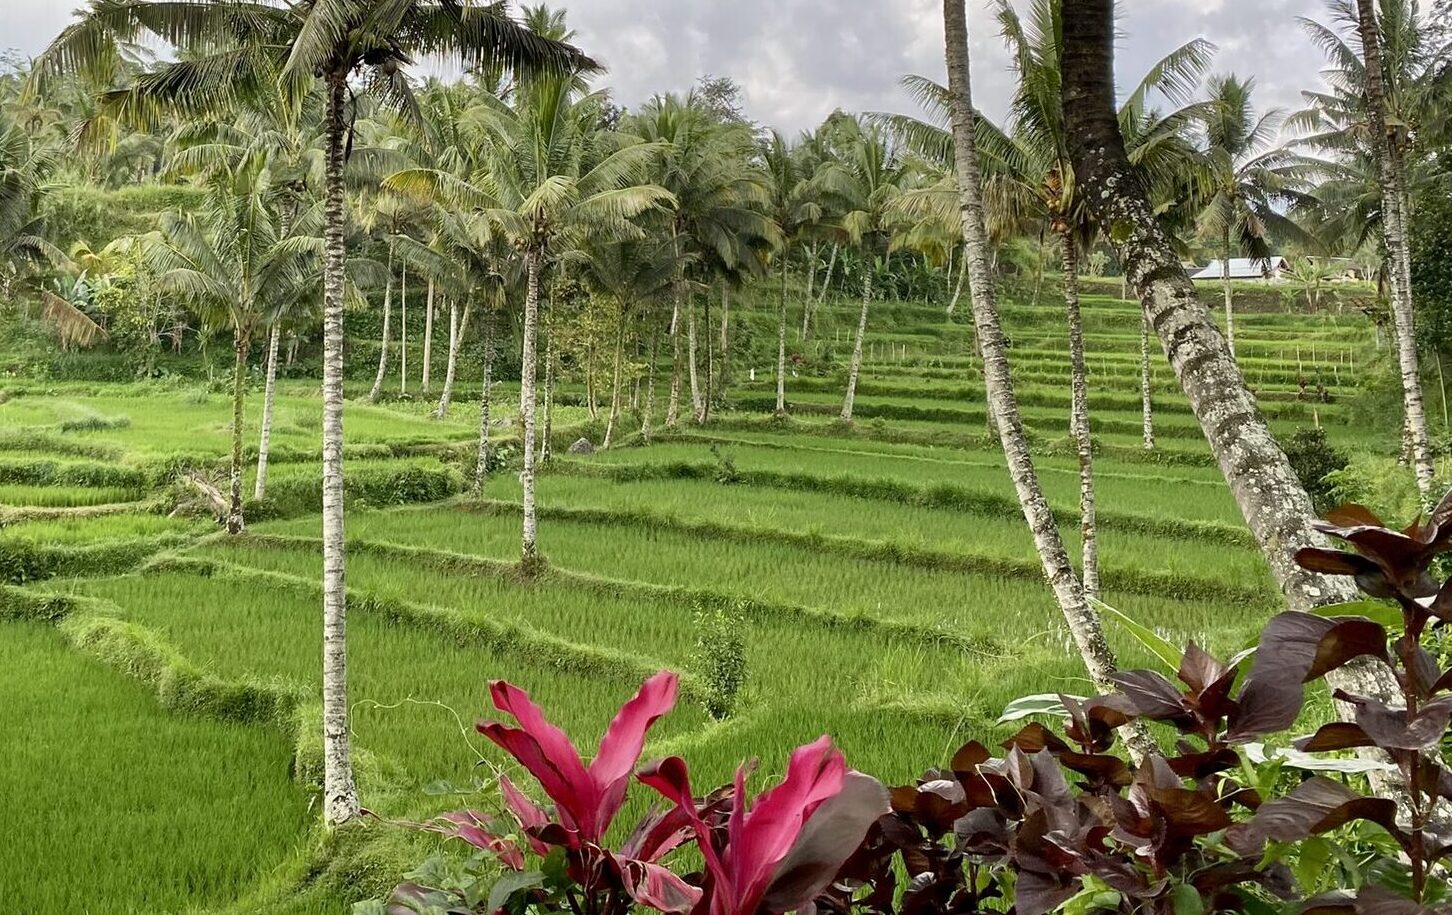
[(1314, 458), (721, 657)]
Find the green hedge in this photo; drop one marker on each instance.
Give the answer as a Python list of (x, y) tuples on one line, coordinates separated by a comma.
[(287, 498), (25, 561)]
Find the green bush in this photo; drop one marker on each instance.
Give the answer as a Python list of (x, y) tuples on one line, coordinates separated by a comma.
[(721, 656), (1314, 459)]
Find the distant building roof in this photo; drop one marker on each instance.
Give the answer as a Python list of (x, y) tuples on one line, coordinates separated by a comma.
[(1244, 268)]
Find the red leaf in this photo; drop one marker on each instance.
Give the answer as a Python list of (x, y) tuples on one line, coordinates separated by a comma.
[(1339, 735)]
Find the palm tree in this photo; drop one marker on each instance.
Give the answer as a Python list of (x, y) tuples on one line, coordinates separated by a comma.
[(228, 260), (1368, 122), (1251, 181), (869, 178), (551, 180), (242, 49), (1083, 622), (718, 219), (795, 208), (25, 167)]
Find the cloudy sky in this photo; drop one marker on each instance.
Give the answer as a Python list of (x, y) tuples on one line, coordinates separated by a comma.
[(799, 59)]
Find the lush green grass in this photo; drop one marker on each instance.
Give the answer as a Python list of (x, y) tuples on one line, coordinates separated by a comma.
[(65, 496), (106, 527), (112, 805)]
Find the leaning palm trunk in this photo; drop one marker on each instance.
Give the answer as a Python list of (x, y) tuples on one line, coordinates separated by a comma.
[(827, 278), (239, 395), (1083, 622), (615, 394), (340, 794), (856, 367), (1394, 230), (1271, 498), (458, 324), (269, 395), (428, 346), (957, 289), (377, 390), (481, 463), (1229, 296), (529, 551), (725, 340), (1079, 418), (698, 397), (1146, 400), (781, 323)]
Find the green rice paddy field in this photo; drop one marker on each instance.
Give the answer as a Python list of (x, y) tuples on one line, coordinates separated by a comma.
[(161, 680)]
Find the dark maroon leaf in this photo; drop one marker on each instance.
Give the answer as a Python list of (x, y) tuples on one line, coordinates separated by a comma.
[(969, 757), (1392, 730), (1346, 640), (1353, 515), (1334, 562), (1151, 695), (1273, 693), (831, 834), (1036, 894), (1376, 900), (1339, 735), (1315, 806), (1034, 737), (1102, 767), (1199, 765), (1189, 812)]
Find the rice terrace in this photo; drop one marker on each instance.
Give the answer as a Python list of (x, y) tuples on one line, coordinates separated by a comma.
[(441, 473)]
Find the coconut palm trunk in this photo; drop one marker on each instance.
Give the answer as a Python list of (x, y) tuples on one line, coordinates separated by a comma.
[(377, 390), (340, 793), (856, 367), (781, 322), (1229, 295), (428, 346), (403, 332), (529, 549), (546, 444), (1083, 622), (673, 405), (725, 340), (1079, 417), (831, 269), (957, 289), (481, 463), (239, 398), (269, 396), (698, 397), (648, 415), (458, 324), (1146, 400), (615, 383), (1394, 230)]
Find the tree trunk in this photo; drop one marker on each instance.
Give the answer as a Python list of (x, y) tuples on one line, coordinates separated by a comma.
[(698, 399), (811, 277), (615, 395), (957, 288), (673, 406), (428, 347), (239, 397), (831, 267), (1146, 399), (340, 794), (1394, 230), (481, 463), (458, 324), (403, 332), (781, 323), (1079, 418), (377, 390), (649, 413), (1229, 295), (529, 551), (1082, 621), (856, 367), (269, 395), (725, 340)]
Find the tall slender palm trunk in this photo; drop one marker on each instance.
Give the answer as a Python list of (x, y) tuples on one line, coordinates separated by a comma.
[(269, 396), (377, 390), (481, 463), (648, 414), (1229, 295), (403, 332), (781, 322), (340, 793), (1394, 230), (1083, 622), (698, 397), (1079, 417), (856, 367), (615, 381), (1146, 399), (725, 340), (673, 405), (546, 444), (957, 287), (831, 269), (428, 346), (458, 324), (240, 344), (529, 549)]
